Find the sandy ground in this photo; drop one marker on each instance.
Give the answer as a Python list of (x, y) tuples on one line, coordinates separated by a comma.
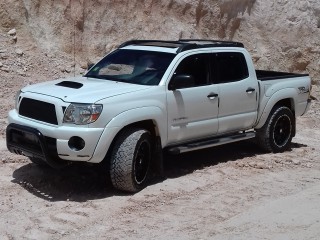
[(228, 192)]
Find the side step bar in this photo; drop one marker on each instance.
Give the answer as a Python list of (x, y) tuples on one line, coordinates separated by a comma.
[(187, 147)]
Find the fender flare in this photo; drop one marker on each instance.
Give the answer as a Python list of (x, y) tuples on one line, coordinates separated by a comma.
[(124, 119), (276, 97)]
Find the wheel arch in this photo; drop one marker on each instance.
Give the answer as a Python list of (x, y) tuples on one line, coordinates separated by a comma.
[(149, 125), (287, 102), (284, 97), (152, 119)]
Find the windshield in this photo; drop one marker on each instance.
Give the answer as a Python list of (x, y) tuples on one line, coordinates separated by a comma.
[(132, 66)]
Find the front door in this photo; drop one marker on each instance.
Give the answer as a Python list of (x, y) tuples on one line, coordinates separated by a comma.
[(193, 110)]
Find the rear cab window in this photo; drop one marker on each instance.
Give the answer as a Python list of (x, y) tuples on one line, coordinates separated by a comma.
[(229, 67)]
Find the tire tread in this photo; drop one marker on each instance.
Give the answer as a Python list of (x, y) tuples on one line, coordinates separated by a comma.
[(121, 160)]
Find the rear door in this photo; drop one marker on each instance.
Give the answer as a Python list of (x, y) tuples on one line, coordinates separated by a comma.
[(238, 92), (193, 111)]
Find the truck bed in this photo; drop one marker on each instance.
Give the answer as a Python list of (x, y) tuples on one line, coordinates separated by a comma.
[(264, 75)]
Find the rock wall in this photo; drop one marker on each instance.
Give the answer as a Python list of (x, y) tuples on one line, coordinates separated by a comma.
[(280, 34)]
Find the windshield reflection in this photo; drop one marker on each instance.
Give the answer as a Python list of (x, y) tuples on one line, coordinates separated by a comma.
[(132, 66)]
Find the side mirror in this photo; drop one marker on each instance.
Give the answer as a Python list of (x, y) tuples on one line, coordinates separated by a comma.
[(181, 81)]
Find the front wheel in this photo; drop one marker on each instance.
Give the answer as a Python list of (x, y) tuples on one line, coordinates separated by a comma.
[(130, 160), (277, 132)]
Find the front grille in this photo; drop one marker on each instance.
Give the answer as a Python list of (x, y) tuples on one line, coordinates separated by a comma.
[(38, 110)]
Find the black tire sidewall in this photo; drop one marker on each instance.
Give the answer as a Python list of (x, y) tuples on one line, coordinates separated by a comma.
[(277, 114), (144, 138)]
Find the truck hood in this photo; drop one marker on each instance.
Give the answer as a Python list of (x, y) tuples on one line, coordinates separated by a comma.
[(83, 89)]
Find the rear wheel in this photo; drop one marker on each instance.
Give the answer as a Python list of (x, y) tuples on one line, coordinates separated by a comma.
[(277, 132), (130, 160)]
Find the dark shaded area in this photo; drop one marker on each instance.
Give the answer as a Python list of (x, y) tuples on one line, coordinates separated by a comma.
[(82, 182), (179, 165), (200, 12), (78, 182), (264, 75)]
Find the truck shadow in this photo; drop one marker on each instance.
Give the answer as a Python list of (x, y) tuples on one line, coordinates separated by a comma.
[(83, 182), (77, 182), (178, 165)]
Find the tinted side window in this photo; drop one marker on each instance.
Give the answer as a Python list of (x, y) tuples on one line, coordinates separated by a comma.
[(197, 66), (230, 67)]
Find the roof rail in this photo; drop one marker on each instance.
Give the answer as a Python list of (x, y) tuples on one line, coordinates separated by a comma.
[(217, 42), (147, 42), (183, 44)]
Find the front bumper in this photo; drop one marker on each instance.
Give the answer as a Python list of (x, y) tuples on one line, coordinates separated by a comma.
[(30, 142), (45, 141)]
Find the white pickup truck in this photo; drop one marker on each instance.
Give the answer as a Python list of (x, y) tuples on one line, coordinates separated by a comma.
[(151, 95)]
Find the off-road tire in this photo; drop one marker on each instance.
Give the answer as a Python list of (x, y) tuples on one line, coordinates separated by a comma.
[(276, 134), (131, 159)]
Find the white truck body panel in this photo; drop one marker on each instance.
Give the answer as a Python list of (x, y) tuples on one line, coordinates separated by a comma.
[(92, 90), (273, 91)]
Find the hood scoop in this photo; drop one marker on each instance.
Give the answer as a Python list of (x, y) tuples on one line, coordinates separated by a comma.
[(70, 84)]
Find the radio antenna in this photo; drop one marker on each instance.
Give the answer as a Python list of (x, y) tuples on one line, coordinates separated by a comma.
[(74, 42)]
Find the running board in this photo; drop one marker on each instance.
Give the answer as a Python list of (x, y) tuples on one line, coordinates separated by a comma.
[(187, 147)]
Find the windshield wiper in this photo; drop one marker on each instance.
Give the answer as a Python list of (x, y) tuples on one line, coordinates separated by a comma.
[(107, 77), (90, 76)]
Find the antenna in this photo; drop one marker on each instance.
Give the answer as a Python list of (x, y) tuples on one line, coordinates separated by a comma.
[(74, 48), (74, 38)]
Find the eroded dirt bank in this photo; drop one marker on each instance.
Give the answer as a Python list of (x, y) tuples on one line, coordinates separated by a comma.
[(281, 35)]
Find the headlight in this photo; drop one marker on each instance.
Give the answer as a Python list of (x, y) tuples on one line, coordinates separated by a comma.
[(17, 99), (81, 114)]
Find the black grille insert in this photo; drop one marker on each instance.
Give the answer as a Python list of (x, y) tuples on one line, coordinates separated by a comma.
[(42, 111)]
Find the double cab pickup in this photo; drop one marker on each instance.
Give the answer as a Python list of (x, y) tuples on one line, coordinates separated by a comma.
[(150, 95)]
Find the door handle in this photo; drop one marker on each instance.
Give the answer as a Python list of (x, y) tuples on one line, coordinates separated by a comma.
[(212, 96), (250, 90)]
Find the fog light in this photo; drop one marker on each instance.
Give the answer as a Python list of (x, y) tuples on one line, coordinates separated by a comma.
[(76, 143)]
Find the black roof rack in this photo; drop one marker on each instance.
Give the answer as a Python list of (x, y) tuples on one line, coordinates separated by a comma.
[(216, 42), (183, 44)]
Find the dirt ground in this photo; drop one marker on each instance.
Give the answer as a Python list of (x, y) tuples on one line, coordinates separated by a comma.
[(228, 192)]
